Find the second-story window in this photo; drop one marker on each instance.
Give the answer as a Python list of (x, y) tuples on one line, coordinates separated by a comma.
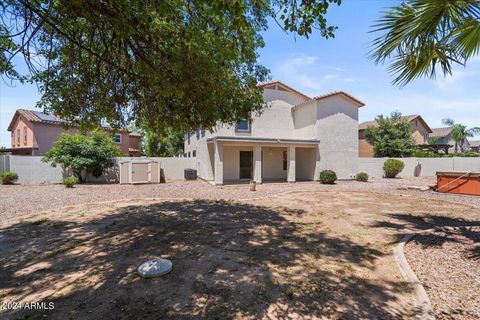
[(18, 136), (242, 125), (13, 138), (117, 138), (25, 135), (197, 134)]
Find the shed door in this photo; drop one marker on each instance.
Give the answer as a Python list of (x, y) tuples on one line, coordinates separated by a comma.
[(140, 173)]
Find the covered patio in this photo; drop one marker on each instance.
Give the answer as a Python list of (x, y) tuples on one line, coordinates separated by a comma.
[(242, 159)]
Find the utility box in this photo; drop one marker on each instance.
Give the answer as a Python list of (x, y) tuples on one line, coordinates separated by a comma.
[(190, 174), (139, 171)]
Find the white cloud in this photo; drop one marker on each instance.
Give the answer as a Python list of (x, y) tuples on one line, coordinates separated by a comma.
[(307, 73)]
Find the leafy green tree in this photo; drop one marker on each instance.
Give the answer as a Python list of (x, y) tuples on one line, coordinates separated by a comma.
[(433, 140), (419, 36), (167, 145), (392, 137), (83, 154), (460, 133), (172, 63)]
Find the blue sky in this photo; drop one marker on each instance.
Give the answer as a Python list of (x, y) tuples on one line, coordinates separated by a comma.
[(315, 66)]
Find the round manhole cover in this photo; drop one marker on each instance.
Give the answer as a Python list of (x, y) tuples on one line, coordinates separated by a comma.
[(154, 268)]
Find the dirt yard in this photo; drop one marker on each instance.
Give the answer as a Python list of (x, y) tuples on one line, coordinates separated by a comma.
[(299, 255)]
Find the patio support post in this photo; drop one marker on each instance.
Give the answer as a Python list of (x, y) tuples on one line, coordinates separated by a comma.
[(317, 170), (218, 159), (257, 164), (291, 164)]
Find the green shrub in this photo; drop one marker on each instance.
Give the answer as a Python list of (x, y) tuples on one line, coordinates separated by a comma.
[(8, 177), (362, 177), (392, 167), (69, 182), (328, 177)]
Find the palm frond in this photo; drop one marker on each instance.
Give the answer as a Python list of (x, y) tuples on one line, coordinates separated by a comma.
[(420, 37)]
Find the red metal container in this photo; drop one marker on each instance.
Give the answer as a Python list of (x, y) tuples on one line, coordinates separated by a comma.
[(459, 182)]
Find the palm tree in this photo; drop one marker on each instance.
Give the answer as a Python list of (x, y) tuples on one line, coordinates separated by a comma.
[(420, 36), (460, 133)]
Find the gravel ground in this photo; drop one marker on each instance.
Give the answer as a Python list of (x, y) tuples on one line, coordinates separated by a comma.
[(448, 265), (22, 200)]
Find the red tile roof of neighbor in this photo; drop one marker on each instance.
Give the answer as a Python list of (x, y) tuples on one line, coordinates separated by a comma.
[(40, 117), (410, 118)]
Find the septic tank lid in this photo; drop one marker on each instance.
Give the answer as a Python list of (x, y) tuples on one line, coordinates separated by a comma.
[(155, 268)]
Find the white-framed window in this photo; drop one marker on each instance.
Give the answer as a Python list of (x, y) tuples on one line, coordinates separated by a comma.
[(13, 138), (197, 134), (18, 136), (194, 153), (188, 154), (242, 125), (25, 135), (117, 138)]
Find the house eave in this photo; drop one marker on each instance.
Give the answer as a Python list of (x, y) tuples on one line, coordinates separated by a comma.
[(263, 140)]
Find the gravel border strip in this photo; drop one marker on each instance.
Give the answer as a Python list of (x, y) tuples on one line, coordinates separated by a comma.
[(423, 301)]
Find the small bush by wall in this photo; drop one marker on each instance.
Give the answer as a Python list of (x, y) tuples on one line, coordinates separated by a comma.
[(392, 167), (69, 182), (362, 177), (328, 177), (8, 177)]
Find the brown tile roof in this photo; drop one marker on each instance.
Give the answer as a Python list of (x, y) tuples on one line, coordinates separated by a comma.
[(410, 118), (264, 84), (343, 93), (474, 143), (440, 132)]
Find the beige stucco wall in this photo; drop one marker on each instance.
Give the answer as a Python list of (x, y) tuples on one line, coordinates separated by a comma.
[(231, 161), (337, 130), (305, 163), (272, 165)]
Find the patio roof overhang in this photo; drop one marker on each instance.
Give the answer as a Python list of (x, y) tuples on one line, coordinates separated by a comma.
[(264, 140)]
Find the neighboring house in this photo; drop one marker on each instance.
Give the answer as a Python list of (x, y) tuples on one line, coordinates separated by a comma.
[(444, 136), (474, 145), (34, 132), (294, 139), (418, 127)]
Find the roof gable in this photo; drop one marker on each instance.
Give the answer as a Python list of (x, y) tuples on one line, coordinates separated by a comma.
[(278, 85), (343, 94)]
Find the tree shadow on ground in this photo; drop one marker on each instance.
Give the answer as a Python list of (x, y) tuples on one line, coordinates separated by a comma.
[(230, 260), (405, 223)]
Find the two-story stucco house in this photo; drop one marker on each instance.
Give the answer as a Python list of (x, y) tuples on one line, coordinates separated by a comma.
[(294, 139), (34, 132)]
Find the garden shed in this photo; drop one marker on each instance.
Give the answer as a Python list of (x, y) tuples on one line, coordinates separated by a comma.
[(139, 171)]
